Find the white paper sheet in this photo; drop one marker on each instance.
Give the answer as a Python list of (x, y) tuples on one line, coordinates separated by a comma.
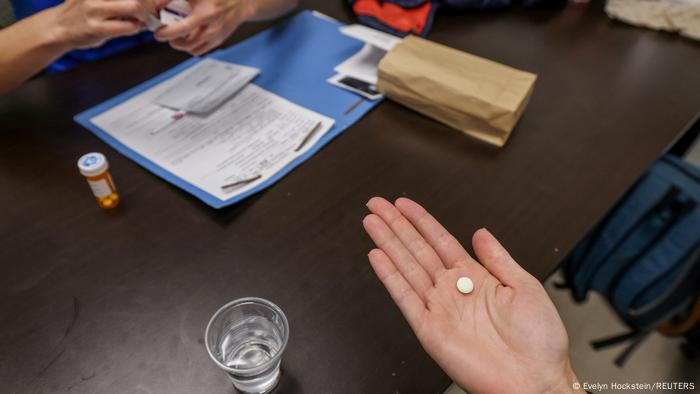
[(203, 87), (371, 36), (244, 142), (363, 65), (153, 23), (173, 12)]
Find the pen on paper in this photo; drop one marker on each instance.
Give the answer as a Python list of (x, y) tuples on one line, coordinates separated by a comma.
[(352, 107), (241, 182), (308, 137)]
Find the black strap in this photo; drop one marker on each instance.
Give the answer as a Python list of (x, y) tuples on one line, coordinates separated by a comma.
[(614, 340), (624, 356), (637, 337)]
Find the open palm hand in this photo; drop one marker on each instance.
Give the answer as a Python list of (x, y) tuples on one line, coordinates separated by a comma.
[(504, 337)]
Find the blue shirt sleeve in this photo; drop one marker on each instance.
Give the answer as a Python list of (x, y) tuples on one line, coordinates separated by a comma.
[(25, 8)]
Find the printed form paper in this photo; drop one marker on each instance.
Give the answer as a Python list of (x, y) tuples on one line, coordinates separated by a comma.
[(243, 143), (203, 87)]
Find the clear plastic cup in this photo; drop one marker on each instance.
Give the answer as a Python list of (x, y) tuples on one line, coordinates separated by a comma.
[(246, 338)]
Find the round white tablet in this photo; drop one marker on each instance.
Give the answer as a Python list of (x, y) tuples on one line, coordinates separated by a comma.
[(465, 285)]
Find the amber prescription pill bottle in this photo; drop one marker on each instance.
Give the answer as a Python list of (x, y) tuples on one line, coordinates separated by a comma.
[(94, 167)]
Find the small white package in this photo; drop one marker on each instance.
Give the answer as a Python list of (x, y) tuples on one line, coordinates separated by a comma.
[(173, 12)]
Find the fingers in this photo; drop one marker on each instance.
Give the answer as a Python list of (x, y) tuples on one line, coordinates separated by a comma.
[(158, 4), (115, 28), (123, 9), (205, 28), (386, 240), (408, 301), (191, 41), (496, 259), (408, 235), (204, 48), (152, 6), (447, 247), (196, 50), (201, 41), (183, 28)]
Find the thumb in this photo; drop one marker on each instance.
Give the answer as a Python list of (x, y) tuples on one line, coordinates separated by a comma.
[(159, 4), (496, 259)]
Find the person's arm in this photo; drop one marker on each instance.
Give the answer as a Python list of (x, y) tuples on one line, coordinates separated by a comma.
[(27, 49), (31, 44), (263, 10), (212, 21), (503, 337)]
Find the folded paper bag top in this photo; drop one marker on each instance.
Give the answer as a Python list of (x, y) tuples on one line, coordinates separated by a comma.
[(477, 96)]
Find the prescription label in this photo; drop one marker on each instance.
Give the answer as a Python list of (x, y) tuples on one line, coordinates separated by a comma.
[(100, 188)]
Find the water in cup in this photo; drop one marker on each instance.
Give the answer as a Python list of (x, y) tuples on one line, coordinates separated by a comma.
[(246, 338), (250, 343)]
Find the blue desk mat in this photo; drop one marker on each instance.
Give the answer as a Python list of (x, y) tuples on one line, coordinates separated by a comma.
[(295, 58)]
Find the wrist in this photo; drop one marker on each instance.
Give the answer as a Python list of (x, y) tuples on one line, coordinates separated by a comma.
[(567, 382), (573, 383), (53, 33)]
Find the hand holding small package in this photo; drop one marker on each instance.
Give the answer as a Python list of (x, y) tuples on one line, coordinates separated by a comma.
[(477, 96)]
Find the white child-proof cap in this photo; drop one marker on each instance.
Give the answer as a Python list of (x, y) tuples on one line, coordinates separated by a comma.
[(93, 164)]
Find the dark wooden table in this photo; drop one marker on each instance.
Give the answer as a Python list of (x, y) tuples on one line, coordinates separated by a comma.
[(117, 302)]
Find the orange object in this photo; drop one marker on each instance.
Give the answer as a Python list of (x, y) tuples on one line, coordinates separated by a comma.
[(95, 168), (398, 18)]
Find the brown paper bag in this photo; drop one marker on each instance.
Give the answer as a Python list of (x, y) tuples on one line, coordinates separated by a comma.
[(479, 97)]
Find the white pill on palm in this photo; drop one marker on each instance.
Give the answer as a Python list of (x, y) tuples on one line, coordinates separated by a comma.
[(465, 285)]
